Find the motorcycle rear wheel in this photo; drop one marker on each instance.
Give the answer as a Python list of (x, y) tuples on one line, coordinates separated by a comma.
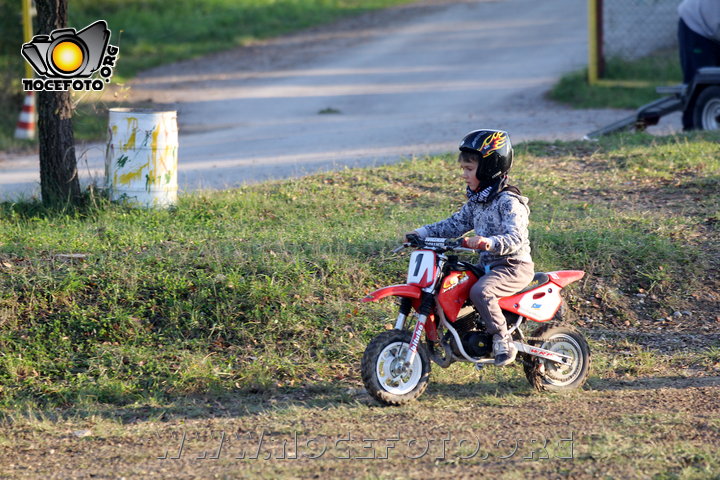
[(381, 374), (549, 376)]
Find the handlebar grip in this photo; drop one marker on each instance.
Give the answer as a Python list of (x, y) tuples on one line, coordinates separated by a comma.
[(413, 237), (482, 247)]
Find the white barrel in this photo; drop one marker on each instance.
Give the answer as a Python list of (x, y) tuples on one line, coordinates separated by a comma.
[(141, 157)]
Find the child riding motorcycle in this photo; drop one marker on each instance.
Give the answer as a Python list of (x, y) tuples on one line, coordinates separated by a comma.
[(498, 214)]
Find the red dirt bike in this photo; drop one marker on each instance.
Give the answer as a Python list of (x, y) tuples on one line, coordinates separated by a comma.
[(396, 364)]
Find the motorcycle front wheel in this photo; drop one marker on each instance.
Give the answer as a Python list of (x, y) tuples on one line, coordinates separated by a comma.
[(546, 375), (383, 373)]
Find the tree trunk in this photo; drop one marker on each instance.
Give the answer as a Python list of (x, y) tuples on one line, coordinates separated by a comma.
[(58, 165)]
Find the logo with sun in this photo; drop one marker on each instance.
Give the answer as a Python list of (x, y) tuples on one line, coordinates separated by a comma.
[(71, 56), (68, 57)]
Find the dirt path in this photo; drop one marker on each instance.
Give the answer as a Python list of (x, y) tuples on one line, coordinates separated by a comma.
[(633, 428), (402, 82)]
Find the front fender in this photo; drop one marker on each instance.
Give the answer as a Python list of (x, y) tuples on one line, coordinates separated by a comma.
[(409, 291)]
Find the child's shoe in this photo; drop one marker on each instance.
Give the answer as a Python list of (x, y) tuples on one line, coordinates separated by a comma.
[(504, 350)]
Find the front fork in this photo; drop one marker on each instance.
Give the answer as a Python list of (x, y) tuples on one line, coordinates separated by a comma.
[(405, 307), (426, 306)]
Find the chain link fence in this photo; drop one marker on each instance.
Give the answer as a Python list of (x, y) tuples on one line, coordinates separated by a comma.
[(634, 39), (636, 28)]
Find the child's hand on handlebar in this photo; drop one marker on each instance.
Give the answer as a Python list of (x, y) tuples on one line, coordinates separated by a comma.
[(406, 238), (477, 243)]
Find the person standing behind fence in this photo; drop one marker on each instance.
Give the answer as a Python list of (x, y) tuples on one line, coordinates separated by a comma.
[(699, 41)]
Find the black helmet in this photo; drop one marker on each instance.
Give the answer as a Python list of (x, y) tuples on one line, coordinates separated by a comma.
[(494, 150)]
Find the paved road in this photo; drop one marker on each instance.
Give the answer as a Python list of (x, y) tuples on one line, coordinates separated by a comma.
[(411, 81)]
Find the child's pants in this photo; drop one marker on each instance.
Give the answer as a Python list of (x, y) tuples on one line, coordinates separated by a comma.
[(503, 280)]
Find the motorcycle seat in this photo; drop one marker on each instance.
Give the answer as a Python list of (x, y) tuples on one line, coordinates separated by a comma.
[(540, 278)]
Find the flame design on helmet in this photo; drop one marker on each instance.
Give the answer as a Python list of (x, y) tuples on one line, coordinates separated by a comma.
[(494, 142)]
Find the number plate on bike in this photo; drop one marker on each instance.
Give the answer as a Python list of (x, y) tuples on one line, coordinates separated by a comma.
[(422, 269)]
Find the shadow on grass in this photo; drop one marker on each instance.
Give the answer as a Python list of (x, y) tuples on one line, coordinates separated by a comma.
[(90, 203), (325, 396), (220, 404), (249, 402), (611, 143), (481, 391), (652, 383)]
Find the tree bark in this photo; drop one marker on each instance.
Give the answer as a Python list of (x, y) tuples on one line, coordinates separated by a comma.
[(58, 166)]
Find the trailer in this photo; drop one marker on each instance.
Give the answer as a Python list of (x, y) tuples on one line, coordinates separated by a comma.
[(702, 98)]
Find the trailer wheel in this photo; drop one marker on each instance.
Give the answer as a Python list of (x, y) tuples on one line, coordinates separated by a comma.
[(706, 112)]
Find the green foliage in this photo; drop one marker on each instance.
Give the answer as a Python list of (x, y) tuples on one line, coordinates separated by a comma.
[(11, 100), (10, 26)]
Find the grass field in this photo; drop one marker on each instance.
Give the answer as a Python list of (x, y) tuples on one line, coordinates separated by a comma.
[(625, 84), (238, 312), (244, 288)]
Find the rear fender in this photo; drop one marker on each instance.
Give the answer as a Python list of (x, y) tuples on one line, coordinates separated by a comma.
[(563, 278)]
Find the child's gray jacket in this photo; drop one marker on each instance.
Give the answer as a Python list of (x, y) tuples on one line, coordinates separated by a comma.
[(504, 220)]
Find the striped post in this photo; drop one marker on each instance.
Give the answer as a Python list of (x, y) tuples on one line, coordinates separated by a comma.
[(25, 128)]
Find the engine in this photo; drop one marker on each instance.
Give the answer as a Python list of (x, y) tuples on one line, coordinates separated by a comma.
[(476, 342), (475, 339)]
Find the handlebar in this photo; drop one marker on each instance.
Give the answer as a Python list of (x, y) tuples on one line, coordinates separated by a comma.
[(441, 244), (404, 245)]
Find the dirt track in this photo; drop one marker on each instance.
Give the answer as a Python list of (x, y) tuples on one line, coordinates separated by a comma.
[(460, 429)]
